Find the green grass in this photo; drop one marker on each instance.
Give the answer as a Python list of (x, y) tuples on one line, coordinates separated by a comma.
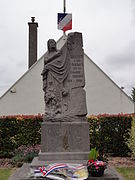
[(127, 172), (5, 174)]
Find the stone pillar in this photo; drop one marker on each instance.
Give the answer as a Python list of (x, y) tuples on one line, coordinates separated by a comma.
[(32, 42)]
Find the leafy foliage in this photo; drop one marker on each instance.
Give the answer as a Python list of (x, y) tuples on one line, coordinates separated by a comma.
[(25, 154), (108, 133), (131, 140), (93, 154), (18, 130)]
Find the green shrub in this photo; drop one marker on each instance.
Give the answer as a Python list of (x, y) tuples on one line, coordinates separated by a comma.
[(8, 130), (108, 132), (131, 140), (29, 157), (25, 154), (18, 130), (18, 160)]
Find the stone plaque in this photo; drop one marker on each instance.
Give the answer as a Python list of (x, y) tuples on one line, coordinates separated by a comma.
[(75, 48)]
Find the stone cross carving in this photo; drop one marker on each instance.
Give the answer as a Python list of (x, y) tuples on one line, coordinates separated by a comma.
[(63, 80)]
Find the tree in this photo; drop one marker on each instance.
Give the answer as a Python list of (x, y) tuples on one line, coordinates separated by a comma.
[(133, 94)]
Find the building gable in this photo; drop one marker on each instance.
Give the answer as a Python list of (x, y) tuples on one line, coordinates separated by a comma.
[(102, 94)]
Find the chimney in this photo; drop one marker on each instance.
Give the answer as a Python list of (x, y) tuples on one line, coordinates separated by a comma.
[(32, 42)]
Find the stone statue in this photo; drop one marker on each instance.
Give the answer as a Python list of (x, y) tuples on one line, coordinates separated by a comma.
[(63, 79)]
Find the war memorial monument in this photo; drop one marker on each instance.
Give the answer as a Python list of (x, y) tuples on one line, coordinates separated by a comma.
[(65, 130)]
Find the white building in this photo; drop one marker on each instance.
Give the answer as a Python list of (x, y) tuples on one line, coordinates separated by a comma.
[(102, 94)]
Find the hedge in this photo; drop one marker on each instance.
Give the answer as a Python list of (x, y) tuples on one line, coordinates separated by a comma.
[(107, 133), (131, 140), (18, 130)]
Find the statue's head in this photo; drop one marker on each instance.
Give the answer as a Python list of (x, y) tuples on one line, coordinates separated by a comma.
[(51, 45)]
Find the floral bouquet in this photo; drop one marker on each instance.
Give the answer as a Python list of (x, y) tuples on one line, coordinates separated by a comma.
[(95, 167)]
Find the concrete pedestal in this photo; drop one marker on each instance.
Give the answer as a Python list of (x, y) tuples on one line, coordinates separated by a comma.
[(62, 141)]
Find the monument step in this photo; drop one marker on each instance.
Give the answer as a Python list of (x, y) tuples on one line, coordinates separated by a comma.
[(37, 163), (24, 174), (60, 156)]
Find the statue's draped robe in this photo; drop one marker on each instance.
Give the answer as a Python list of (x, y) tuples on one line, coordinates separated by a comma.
[(58, 68)]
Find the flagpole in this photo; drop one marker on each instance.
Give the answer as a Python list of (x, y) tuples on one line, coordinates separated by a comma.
[(64, 10), (64, 6)]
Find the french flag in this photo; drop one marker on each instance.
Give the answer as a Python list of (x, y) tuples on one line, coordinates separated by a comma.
[(64, 21)]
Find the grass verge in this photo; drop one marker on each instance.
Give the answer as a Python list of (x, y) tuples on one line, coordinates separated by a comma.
[(5, 173), (127, 172)]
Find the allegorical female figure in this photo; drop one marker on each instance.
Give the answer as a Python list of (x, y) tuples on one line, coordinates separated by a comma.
[(54, 73)]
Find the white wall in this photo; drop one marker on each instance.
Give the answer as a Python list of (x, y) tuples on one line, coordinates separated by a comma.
[(28, 98), (103, 95)]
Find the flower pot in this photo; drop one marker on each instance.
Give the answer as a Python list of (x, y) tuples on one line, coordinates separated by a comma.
[(97, 173), (96, 168)]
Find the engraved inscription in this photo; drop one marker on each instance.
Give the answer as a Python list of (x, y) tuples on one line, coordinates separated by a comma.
[(77, 72)]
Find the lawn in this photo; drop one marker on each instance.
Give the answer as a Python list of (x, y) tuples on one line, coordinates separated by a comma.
[(127, 172), (5, 173)]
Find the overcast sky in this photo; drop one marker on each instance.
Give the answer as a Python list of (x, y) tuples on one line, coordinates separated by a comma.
[(108, 28)]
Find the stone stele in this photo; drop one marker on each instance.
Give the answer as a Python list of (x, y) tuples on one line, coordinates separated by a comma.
[(65, 130)]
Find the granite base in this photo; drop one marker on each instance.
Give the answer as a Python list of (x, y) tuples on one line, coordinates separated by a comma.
[(62, 141)]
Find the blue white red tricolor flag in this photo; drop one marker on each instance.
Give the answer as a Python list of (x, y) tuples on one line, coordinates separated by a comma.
[(64, 21)]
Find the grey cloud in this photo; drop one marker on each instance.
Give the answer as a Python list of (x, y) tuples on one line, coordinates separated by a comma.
[(21, 63), (133, 11), (120, 67), (1, 71), (122, 59)]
